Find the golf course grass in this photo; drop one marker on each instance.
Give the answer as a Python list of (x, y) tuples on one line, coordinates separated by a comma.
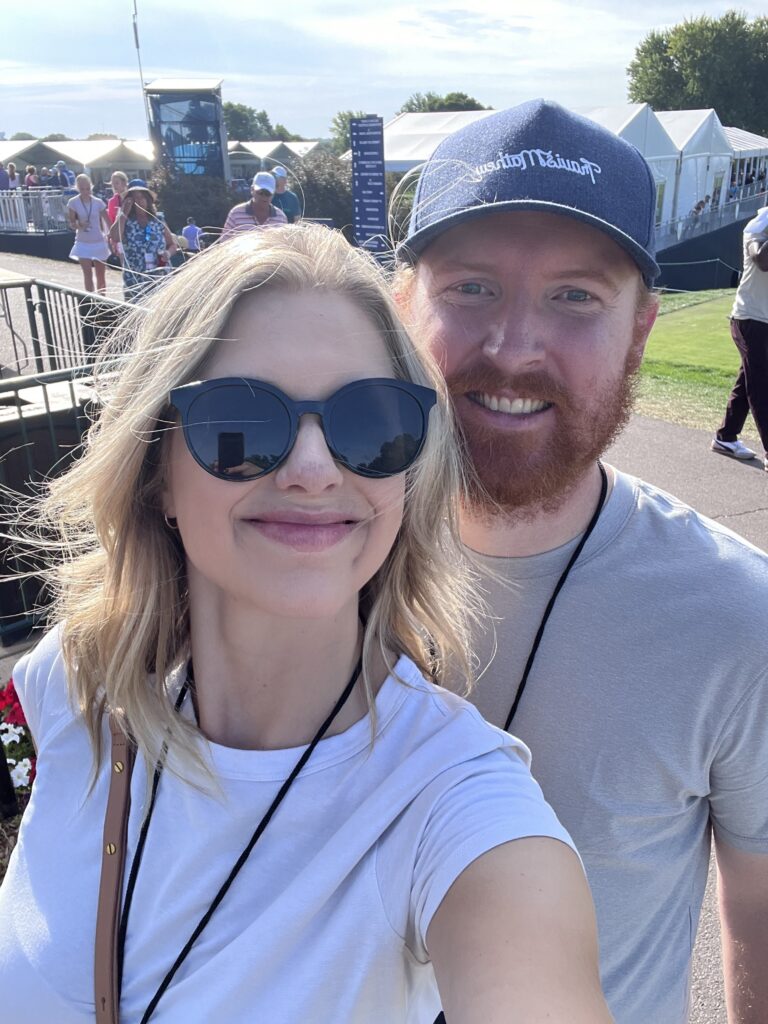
[(691, 362)]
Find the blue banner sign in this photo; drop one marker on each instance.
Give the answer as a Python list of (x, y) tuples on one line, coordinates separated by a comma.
[(369, 198)]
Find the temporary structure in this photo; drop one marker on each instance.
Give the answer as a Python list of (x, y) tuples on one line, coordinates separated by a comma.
[(410, 139), (638, 124), (705, 157)]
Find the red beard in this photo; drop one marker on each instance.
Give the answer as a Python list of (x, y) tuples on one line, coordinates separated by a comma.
[(521, 475)]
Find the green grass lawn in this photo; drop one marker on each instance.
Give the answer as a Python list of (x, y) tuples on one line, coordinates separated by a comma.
[(690, 361)]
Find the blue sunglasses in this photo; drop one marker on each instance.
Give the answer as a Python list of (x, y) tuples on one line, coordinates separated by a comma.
[(240, 429)]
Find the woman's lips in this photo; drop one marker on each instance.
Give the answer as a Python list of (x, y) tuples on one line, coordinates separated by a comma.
[(304, 534)]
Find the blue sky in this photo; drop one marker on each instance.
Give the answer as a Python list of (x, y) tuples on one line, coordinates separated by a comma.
[(74, 70)]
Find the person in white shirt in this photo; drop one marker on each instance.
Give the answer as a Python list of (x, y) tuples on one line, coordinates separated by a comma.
[(263, 585)]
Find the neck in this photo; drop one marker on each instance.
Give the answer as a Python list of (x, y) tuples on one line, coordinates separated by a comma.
[(266, 682), (532, 531)]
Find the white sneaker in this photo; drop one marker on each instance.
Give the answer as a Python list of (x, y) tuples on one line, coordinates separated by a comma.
[(735, 449)]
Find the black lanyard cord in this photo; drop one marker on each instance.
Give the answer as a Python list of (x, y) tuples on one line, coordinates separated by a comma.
[(558, 587), (240, 860)]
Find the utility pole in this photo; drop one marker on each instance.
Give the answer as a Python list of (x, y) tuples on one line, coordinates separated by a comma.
[(141, 73)]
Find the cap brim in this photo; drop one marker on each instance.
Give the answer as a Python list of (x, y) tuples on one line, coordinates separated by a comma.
[(409, 250)]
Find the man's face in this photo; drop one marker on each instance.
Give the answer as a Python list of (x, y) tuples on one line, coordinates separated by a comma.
[(534, 320), (281, 184)]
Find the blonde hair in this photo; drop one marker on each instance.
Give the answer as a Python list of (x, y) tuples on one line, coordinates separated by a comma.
[(120, 175), (119, 584)]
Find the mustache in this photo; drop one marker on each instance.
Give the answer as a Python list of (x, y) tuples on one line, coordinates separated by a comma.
[(535, 384)]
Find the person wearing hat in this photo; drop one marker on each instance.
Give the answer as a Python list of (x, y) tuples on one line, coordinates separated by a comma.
[(283, 198), (143, 239), (258, 212), (624, 647), (58, 177)]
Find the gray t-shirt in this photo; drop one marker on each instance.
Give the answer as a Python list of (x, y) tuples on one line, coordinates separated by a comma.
[(646, 712)]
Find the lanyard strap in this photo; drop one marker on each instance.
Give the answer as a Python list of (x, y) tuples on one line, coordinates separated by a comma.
[(558, 587), (260, 829)]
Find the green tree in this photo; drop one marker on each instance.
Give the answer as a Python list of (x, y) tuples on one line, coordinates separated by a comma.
[(245, 123), (432, 102), (706, 62), (95, 136), (55, 137), (281, 132), (201, 196), (21, 136), (325, 183), (339, 128)]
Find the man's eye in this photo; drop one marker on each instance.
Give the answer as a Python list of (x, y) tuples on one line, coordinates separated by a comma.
[(577, 295), (471, 288)]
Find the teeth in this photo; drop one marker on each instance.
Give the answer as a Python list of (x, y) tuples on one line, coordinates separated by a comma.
[(514, 406)]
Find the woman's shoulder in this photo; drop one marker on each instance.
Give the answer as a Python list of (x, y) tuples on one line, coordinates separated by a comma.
[(40, 680), (450, 719)]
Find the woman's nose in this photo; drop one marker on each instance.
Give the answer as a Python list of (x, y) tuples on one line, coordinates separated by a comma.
[(310, 464)]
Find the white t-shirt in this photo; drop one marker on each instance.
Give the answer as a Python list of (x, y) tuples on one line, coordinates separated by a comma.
[(89, 216), (327, 920)]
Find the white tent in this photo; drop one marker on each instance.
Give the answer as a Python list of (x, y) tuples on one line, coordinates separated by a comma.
[(705, 157), (746, 144), (638, 124), (410, 139)]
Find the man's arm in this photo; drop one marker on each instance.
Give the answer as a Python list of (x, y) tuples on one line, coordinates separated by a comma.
[(514, 940), (743, 895), (758, 252)]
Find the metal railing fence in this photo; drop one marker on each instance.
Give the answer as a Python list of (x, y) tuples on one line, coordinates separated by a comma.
[(46, 326), (34, 211), (43, 419), (691, 226)]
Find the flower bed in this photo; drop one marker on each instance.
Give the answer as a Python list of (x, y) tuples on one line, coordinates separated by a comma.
[(20, 755)]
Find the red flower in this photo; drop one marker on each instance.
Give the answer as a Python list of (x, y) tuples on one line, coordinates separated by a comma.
[(10, 708)]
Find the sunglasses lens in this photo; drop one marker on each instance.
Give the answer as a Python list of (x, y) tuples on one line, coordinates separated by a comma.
[(238, 432), (377, 430)]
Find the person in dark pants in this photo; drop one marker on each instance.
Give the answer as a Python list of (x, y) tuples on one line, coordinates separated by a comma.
[(749, 330)]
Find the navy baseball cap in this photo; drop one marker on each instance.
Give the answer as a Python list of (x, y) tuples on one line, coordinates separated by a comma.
[(537, 156)]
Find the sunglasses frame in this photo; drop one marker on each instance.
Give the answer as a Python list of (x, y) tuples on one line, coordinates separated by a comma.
[(183, 397)]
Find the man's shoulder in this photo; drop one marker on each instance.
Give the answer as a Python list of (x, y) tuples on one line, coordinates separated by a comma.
[(673, 529)]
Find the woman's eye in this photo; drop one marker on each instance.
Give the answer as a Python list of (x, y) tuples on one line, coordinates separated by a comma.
[(471, 288)]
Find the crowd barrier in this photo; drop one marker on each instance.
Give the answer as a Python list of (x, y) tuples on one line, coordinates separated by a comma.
[(34, 211)]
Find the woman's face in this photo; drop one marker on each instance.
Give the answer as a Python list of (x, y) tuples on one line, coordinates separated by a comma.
[(118, 185), (83, 186), (304, 539)]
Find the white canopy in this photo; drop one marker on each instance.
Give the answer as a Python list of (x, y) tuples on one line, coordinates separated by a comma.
[(10, 148), (638, 124), (705, 156), (746, 144), (410, 139)]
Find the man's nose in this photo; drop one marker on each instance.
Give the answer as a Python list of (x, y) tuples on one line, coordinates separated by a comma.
[(310, 464), (514, 336)]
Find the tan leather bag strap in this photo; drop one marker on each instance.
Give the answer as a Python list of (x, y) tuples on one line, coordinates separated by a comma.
[(111, 886)]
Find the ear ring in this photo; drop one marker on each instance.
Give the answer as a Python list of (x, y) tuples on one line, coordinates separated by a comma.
[(170, 523)]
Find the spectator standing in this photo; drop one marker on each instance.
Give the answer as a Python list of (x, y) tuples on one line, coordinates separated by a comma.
[(145, 239), (14, 179), (191, 233), (749, 330), (58, 177), (31, 180), (283, 198), (259, 212), (119, 185), (88, 219), (4, 178)]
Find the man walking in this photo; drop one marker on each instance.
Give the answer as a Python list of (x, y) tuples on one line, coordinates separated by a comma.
[(643, 699), (258, 213), (749, 330), (283, 198)]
